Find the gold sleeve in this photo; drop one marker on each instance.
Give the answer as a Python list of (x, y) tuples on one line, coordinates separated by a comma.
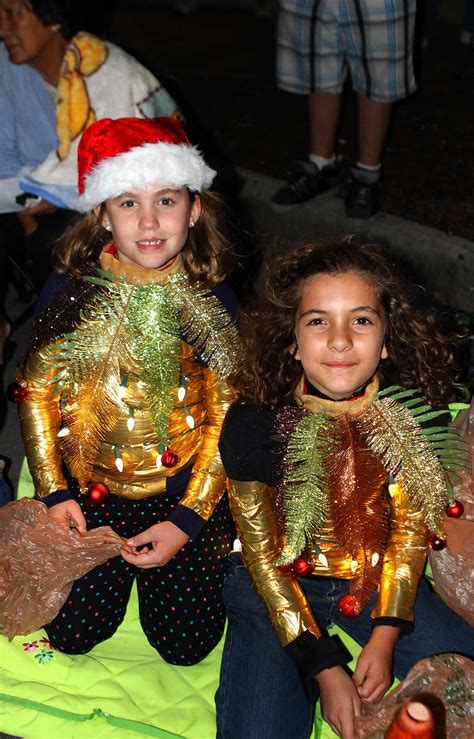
[(404, 559), (40, 420), (208, 480), (288, 609)]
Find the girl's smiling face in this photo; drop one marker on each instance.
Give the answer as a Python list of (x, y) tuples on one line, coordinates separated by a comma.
[(150, 226), (340, 332)]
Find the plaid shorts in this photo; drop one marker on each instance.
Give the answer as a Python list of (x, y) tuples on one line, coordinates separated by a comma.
[(319, 41)]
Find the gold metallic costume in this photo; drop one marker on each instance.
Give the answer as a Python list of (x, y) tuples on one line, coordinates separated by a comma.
[(331, 504), (112, 395)]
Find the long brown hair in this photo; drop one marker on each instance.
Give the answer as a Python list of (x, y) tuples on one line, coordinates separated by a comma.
[(420, 354), (208, 255)]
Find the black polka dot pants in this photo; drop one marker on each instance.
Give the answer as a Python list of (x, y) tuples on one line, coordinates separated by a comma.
[(180, 604)]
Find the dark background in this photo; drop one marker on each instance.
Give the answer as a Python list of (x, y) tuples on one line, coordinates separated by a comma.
[(219, 61)]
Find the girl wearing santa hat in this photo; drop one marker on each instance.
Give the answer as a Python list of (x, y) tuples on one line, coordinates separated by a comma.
[(123, 389)]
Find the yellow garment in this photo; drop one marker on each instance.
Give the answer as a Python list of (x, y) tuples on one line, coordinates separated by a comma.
[(84, 56), (254, 511), (207, 398)]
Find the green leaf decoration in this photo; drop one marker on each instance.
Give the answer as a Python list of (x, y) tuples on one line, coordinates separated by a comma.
[(206, 325), (306, 497), (419, 457)]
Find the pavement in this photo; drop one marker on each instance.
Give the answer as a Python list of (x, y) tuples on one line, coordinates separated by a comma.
[(443, 263)]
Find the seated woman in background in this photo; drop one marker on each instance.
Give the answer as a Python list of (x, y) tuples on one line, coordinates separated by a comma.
[(55, 80)]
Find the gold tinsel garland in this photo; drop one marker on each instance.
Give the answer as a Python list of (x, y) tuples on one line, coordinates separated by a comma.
[(87, 361), (206, 324)]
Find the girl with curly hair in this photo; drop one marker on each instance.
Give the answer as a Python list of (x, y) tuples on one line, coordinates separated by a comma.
[(338, 481)]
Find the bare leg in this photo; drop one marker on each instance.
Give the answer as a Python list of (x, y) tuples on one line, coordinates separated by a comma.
[(314, 177), (373, 122), (324, 111)]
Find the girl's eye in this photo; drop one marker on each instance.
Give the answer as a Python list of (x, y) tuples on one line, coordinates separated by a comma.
[(166, 201), (316, 322), (127, 203), (363, 321)]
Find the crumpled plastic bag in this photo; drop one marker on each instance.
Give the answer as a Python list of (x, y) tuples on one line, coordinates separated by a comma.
[(39, 561), (453, 567), (446, 680)]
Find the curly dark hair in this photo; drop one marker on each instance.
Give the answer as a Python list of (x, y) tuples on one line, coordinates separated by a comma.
[(64, 12), (208, 254), (420, 353)]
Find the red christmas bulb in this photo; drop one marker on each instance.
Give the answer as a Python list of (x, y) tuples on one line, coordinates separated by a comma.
[(97, 493), (301, 567), (349, 606), (455, 509), (16, 392), (169, 458), (436, 543)]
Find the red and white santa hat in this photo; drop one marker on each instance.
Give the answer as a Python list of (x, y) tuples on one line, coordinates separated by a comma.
[(115, 156)]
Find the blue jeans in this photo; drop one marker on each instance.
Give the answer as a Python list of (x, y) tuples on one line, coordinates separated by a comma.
[(260, 695)]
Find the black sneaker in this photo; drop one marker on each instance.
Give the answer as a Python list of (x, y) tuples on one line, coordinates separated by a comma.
[(307, 181), (364, 199)]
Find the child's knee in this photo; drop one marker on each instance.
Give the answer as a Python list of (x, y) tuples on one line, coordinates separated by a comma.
[(184, 654)]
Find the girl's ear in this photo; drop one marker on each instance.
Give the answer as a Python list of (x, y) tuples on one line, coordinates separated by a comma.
[(103, 220), (294, 351), (384, 354), (196, 208)]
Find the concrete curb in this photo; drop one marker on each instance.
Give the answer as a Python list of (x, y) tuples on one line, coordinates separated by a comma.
[(445, 264)]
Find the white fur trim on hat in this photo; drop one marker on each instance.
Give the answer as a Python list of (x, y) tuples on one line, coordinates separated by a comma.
[(170, 165)]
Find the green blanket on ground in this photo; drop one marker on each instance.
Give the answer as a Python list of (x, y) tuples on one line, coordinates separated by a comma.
[(121, 689)]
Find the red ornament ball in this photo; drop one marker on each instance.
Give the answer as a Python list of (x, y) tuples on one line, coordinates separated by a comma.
[(16, 392), (349, 606), (436, 543), (455, 509), (302, 568), (169, 458), (97, 493)]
